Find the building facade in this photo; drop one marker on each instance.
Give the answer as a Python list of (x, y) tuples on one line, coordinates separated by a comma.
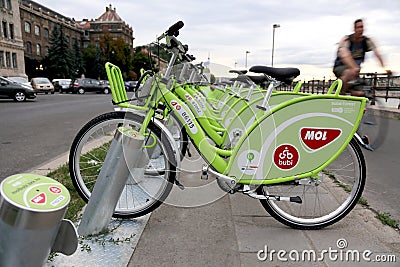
[(11, 41), (109, 23), (26, 28), (37, 23)]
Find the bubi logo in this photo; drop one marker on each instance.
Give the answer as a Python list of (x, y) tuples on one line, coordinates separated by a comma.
[(176, 105), (39, 199), (286, 157), (317, 138), (55, 189)]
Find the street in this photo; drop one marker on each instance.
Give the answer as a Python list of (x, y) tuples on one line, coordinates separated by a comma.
[(35, 132)]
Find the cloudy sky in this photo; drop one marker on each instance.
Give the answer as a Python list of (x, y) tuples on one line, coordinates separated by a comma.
[(225, 29)]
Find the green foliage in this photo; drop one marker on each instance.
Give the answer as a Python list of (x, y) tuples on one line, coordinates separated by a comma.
[(77, 60), (92, 61), (387, 219), (141, 59), (59, 60)]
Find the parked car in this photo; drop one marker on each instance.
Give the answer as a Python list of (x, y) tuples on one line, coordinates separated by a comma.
[(62, 85), (42, 85), (130, 85), (20, 80), (106, 86), (83, 85), (16, 91)]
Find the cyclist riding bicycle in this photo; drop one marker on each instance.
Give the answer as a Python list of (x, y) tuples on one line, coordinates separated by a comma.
[(350, 55)]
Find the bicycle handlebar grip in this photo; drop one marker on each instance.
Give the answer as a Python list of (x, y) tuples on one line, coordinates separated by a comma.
[(174, 28)]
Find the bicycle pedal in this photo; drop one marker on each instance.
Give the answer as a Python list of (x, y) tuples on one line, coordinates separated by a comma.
[(204, 173), (365, 139), (180, 186)]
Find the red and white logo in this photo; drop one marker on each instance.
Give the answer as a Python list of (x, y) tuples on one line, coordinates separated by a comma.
[(39, 199), (286, 157), (316, 138), (55, 189), (176, 105)]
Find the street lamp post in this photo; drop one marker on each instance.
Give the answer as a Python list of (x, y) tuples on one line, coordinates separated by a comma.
[(247, 52), (273, 41)]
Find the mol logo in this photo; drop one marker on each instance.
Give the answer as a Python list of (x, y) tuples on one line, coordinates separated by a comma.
[(317, 138)]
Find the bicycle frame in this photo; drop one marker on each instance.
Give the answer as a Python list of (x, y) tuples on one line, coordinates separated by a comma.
[(329, 114)]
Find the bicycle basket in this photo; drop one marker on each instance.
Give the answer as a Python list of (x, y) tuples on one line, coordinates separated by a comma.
[(144, 92)]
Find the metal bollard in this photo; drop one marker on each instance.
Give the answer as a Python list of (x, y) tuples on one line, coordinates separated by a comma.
[(122, 157), (32, 208)]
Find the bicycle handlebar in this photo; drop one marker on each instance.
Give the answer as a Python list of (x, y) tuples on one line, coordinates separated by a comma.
[(173, 30)]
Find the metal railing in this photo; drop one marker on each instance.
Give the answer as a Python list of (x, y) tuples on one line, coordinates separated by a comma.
[(382, 85)]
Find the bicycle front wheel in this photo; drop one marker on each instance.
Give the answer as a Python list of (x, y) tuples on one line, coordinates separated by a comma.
[(324, 202), (139, 196)]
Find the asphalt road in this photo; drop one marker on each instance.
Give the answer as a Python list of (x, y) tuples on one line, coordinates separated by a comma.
[(34, 132), (383, 173)]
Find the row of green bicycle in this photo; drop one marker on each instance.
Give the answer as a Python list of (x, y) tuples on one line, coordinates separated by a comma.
[(292, 151)]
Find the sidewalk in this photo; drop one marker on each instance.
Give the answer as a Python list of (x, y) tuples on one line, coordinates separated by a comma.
[(235, 230)]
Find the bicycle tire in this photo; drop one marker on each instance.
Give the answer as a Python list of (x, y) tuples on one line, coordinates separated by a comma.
[(374, 125), (324, 204), (88, 152)]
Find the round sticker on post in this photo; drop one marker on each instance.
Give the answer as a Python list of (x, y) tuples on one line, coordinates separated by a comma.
[(34, 192), (286, 157)]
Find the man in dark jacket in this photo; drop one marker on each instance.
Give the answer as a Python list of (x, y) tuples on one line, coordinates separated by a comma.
[(351, 54)]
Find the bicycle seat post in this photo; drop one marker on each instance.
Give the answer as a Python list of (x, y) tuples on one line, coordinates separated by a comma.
[(271, 86)]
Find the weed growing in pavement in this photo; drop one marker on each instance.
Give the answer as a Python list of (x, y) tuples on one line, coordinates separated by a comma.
[(386, 219)]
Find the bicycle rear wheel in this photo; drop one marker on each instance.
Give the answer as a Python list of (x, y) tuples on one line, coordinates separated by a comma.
[(342, 183), (374, 126), (88, 152)]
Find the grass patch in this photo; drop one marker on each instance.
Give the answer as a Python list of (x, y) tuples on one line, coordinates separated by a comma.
[(387, 219), (363, 202), (76, 204)]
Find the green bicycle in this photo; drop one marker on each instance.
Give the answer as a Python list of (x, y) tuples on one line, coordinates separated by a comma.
[(298, 157)]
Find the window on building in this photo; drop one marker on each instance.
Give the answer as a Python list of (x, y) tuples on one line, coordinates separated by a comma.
[(46, 33), (2, 59), (8, 60), (14, 60), (28, 47), (27, 27), (8, 4), (11, 26), (38, 49), (5, 31), (2, 3), (37, 30), (46, 50)]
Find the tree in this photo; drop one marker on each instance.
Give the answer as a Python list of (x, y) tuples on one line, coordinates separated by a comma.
[(142, 60), (93, 62), (118, 52), (59, 59), (77, 63)]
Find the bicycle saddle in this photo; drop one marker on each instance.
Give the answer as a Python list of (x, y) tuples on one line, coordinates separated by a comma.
[(238, 71), (285, 75), (258, 79), (240, 78)]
